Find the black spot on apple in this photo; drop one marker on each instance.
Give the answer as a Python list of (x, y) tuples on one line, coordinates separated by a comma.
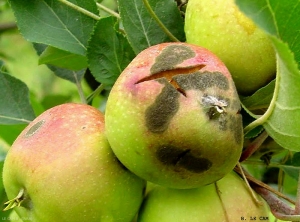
[(223, 122), (182, 158), (170, 57), (236, 127), (202, 80), (165, 106), (34, 128)]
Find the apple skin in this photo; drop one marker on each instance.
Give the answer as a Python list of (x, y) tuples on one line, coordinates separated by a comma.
[(245, 49), (159, 125), (227, 200), (68, 170)]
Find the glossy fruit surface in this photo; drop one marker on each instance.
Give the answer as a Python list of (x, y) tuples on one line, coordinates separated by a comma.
[(173, 116), (245, 49), (227, 200), (64, 165)]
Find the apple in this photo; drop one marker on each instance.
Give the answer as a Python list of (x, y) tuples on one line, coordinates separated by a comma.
[(228, 199), (246, 50), (172, 117), (61, 168)]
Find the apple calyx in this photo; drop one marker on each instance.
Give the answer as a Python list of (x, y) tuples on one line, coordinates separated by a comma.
[(17, 201)]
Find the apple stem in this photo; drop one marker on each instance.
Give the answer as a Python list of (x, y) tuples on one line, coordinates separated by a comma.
[(94, 94), (15, 202), (254, 146), (248, 185), (222, 203)]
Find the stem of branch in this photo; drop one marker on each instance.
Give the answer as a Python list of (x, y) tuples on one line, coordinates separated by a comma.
[(95, 93), (253, 181), (261, 120), (80, 90), (7, 26), (80, 9), (248, 185), (253, 146), (108, 10)]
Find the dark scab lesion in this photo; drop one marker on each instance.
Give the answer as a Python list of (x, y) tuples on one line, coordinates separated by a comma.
[(236, 127), (32, 130), (182, 158), (170, 57), (202, 80), (165, 106)]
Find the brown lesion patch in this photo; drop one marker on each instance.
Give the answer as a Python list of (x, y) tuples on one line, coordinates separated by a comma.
[(32, 130), (165, 106), (170, 57), (182, 158)]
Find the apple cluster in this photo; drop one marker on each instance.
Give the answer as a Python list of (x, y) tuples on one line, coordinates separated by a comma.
[(172, 121)]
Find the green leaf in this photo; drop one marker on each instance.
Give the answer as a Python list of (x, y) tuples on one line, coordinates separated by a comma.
[(141, 28), (260, 99), (292, 166), (70, 75), (63, 59), (9, 133), (283, 116), (109, 52), (15, 106), (278, 18), (53, 23)]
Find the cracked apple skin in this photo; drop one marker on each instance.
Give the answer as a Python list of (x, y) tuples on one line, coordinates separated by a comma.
[(173, 118), (229, 199), (64, 162), (245, 49)]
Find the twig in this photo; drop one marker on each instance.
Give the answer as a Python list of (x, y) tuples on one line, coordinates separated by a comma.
[(80, 9), (97, 91), (222, 203), (80, 90), (278, 208), (253, 146), (257, 182), (7, 26), (248, 185), (108, 10)]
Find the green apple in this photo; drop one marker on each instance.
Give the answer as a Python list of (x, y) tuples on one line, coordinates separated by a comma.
[(172, 117), (228, 199), (245, 49), (61, 168)]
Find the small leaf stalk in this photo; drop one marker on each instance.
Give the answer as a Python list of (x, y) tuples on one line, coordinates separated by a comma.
[(80, 9)]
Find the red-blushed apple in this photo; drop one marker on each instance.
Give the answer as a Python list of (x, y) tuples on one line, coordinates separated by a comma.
[(245, 49), (228, 199), (61, 168), (173, 118)]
